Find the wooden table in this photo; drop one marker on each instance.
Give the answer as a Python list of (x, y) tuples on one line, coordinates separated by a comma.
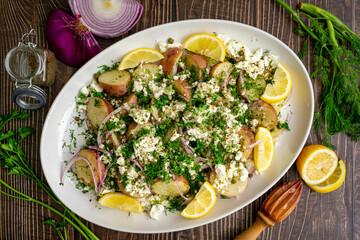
[(318, 216)]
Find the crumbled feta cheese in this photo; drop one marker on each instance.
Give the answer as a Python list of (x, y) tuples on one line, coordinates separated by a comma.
[(224, 38), (156, 210), (95, 85), (140, 116), (164, 46), (81, 108), (85, 91)]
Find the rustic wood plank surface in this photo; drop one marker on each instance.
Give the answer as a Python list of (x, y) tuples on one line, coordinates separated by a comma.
[(318, 216)]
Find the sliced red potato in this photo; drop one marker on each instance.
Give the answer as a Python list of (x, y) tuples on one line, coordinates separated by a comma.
[(115, 82), (170, 189), (135, 128), (265, 114), (155, 111), (170, 60), (198, 62), (183, 88), (131, 99), (254, 91), (233, 189), (134, 195), (221, 70), (246, 140), (83, 170), (114, 139), (147, 68), (173, 129), (97, 111)]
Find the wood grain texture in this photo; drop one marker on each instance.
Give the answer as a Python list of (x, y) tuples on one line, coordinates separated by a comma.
[(318, 216)]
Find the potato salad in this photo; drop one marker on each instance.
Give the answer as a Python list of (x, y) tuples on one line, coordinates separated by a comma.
[(158, 131)]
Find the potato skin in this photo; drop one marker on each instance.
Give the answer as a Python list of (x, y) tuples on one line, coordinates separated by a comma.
[(134, 128), (183, 88), (196, 61), (115, 82), (230, 190), (265, 113), (254, 93), (83, 170), (246, 140), (97, 110), (221, 70), (147, 68), (170, 60), (155, 111), (161, 188)]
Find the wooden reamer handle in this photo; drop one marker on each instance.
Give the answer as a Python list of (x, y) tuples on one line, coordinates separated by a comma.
[(258, 226)]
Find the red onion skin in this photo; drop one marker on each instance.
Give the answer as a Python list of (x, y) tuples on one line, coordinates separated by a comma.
[(73, 46)]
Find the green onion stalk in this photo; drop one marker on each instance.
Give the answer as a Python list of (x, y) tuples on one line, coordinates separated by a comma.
[(336, 54), (13, 158)]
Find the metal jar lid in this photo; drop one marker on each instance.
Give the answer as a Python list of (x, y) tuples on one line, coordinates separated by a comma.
[(29, 97)]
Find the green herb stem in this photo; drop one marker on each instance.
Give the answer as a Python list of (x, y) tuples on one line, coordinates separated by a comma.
[(28, 198), (319, 12), (13, 158)]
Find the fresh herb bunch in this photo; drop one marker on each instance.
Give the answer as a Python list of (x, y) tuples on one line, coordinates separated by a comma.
[(336, 53), (13, 158)]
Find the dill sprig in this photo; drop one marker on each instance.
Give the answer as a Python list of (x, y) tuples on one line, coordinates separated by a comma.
[(336, 59), (13, 158)]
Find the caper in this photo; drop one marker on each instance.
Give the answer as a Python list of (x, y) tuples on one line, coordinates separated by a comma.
[(170, 40)]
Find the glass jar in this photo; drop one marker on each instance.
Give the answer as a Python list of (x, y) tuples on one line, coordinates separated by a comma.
[(30, 67)]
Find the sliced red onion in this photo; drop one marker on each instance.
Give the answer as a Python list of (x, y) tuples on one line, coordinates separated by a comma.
[(66, 168), (149, 185), (257, 102), (202, 159), (243, 87), (119, 109), (71, 162), (188, 149), (254, 144), (100, 150), (177, 185), (101, 178), (107, 136), (127, 106), (107, 18), (137, 164), (106, 171), (226, 82), (205, 166), (211, 167), (71, 42)]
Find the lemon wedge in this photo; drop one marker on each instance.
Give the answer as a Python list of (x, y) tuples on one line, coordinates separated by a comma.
[(333, 182), (122, 202), (316, 163), (207, 45), (280, 88), (264, 151), (139, 56), (203, 202)]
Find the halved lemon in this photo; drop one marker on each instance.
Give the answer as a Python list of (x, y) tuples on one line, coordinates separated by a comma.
[(207, 45), (264, 151), (122, 202), (139, 56), (280, 88), (203, 202), (333, 182), (316, 163)]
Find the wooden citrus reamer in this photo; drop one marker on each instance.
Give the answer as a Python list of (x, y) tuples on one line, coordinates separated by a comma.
[(276, 207)]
